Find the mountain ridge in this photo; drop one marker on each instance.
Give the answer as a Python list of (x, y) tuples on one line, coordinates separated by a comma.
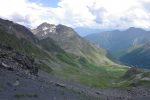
[(69, 41), (118, 41), (123, 44), (139, 56)]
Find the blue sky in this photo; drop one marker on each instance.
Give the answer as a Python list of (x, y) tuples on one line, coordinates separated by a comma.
[(49, 3), (96, 14)]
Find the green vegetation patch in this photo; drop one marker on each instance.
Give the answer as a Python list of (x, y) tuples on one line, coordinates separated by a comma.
[(92, 75)]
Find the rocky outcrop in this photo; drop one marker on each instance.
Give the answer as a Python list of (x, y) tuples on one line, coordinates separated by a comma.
[(12, 60)]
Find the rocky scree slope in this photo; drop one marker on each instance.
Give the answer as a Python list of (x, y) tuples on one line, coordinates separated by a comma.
[(13, 60)]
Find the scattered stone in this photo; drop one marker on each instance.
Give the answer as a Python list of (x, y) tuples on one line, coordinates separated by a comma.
[(12, 60), (16, 83), (98, 92), (6, 66), (60, 85)]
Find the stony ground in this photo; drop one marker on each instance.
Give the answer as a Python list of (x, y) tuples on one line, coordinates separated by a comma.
[(17, 86), (132, 93)]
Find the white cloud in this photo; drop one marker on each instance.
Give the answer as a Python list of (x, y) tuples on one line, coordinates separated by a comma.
[(105, 14)]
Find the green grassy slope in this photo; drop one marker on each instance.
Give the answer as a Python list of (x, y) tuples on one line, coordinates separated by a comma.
[(56, 61), (135, 77)]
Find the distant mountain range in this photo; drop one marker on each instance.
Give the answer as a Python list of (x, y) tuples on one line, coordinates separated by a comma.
[(138, 56), (119, 43), (87, 31)]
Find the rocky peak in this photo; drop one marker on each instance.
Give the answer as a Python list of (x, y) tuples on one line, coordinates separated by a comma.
[(44, 29), (54, 31), (47, 27)]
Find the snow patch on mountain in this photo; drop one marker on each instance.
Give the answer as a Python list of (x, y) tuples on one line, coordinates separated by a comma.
[(52, 28), (45, 32), (45, 28)]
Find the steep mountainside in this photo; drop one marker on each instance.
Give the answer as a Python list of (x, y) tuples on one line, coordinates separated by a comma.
[(72, 43), (117, 42), (139, 56), (19, 31)]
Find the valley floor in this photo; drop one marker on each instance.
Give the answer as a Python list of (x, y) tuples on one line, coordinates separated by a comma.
[(17, 86)]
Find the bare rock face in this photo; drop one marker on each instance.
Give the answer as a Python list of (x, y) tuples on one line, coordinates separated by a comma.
[(13, 60)]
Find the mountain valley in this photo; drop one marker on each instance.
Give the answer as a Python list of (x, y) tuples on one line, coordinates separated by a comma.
[(121, 43), (53, 62)]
